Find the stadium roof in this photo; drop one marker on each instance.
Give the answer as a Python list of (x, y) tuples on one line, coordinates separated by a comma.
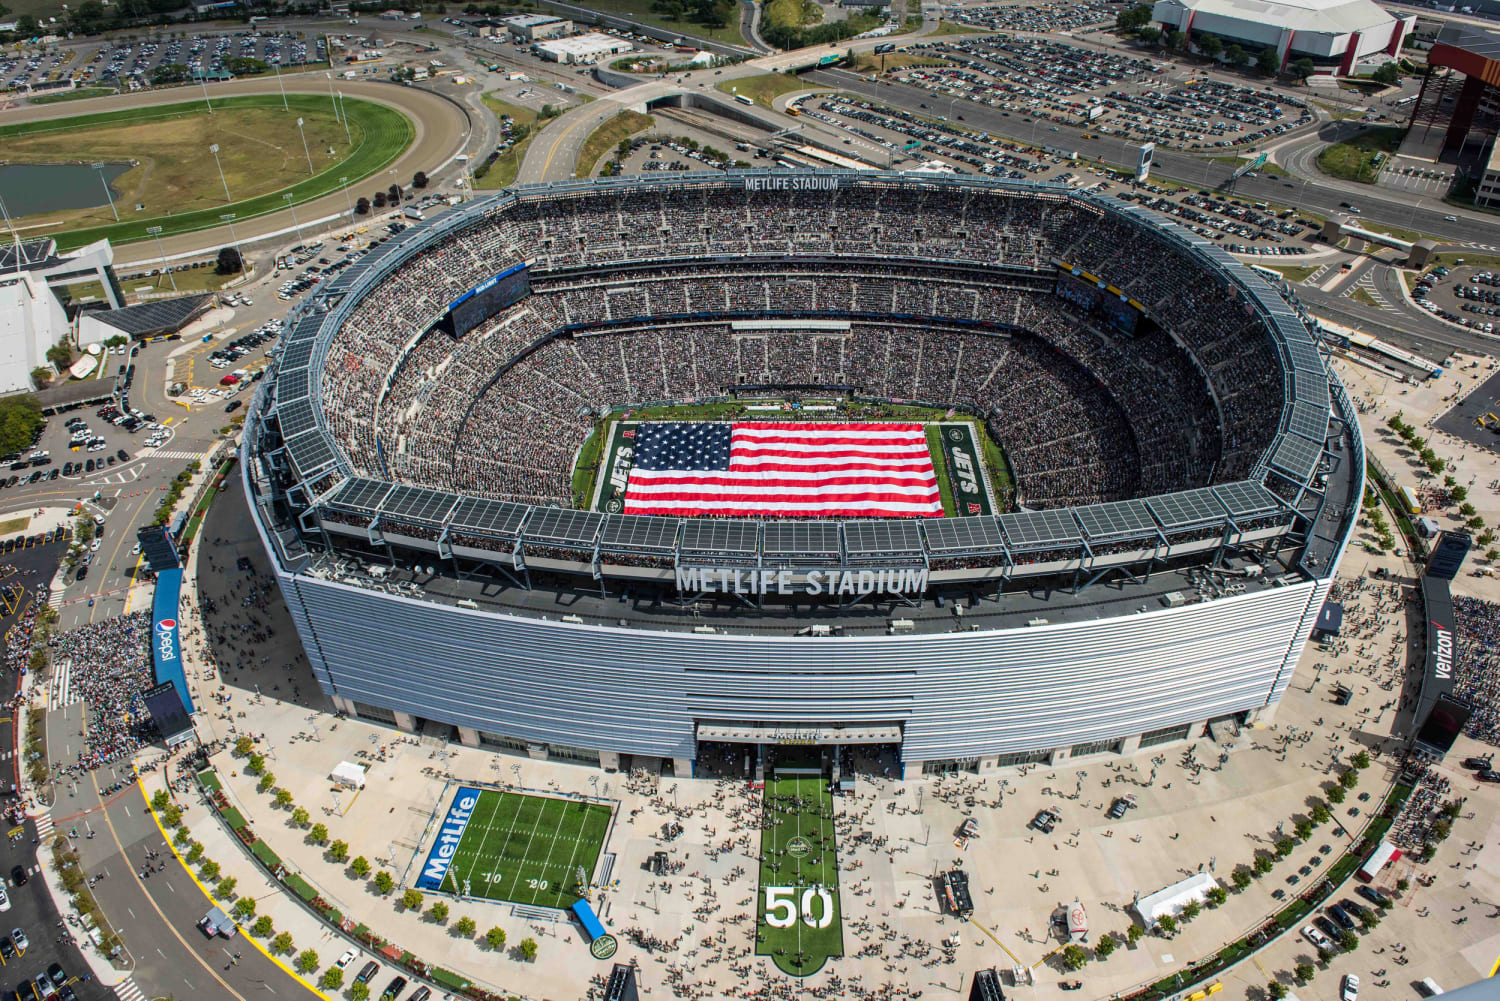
[(1336, 17), (155, 317)]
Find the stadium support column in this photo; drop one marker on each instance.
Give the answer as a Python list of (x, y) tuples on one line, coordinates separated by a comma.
[(405, 721), (1130, 744), (468, 737), (609, 760), (989, 764), (682, 768)]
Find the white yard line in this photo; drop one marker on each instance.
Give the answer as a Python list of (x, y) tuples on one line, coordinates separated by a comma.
[(529, 838), (478, 853), (552, 844), (574, 854)]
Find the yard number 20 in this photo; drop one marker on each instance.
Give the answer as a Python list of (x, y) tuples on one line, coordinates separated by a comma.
[(781, 906)]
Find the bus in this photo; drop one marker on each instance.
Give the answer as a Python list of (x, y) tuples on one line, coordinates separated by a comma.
[(257, 21), (1408, 500), (885, 47), (744, 100)]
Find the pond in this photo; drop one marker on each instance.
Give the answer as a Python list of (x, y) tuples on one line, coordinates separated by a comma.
[(34, 188)]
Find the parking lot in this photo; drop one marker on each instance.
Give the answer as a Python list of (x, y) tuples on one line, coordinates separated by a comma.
[(1419, 176), (1113, 93), (1466, 295), (1058, 15), (20, 70)]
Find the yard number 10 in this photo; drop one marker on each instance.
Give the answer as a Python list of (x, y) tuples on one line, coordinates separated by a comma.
[(781, 906)]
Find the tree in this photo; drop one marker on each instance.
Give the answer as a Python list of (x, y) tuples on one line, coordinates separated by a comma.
[(1458, 493), (1388, 74), (1302, 69), (1336, 795), (1241, 877), (1073, 957), (438, 912), (194, 852), (419, 179), (1174, 40), (1268, 61), (1133, 17), (1284, 847), (1263, 864), (1348, 941), (282, 943), (1361, 760), (1441, 829), (262, 926), (362, 206), (1168, 924), (40, 376), (1276, 989), (1320, 814), (1235, 55), (60, 355), (1149, 35), (1217, 895), (339, 851), (300, 816), (1105, 946), (229, 262), (496, 938), (1304, 972), (359, 992), (226, 886), (465, 926), (244, 746), (267, 780), (244, 908), (307, 961), (332, 979), (383, 882), (1402, 884), (393, 194), (1369, 918), (183, 836), (361, 867), (528, 949), (412, 900), (1304, 829), (1349, 779), (318, 835), (283, 798), (1191, 910), (380, 199), (1211, 47), (1467, 510)]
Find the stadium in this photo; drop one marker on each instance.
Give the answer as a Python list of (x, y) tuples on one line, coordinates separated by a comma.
[(447, 459)]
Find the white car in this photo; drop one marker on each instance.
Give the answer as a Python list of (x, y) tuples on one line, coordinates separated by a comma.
[(94, 546), (22, 942), (4, 900), (1317, 938), (1350, 989), (349, 956)]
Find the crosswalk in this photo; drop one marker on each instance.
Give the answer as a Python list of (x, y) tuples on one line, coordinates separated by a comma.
[(173, 454), (44, 825), (60, 686), (126, 990)]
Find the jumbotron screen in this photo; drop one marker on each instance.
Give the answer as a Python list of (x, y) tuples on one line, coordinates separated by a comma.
[(489, 298)]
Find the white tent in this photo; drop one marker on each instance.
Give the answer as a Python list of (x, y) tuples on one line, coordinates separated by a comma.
[(349, 774), (1174, 898)]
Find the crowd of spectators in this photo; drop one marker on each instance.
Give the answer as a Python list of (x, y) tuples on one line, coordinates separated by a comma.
[(109, 667), (1085, 411), (1476, 664)]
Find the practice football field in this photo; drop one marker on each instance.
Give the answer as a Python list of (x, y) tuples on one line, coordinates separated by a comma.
[(800, 923), (527, 849)]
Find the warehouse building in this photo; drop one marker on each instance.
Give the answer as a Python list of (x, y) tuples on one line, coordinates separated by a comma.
[(1335, 34), (581, 49), (536, 27)]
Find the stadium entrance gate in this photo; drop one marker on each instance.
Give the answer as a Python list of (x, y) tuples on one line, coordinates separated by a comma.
[(743, 750)]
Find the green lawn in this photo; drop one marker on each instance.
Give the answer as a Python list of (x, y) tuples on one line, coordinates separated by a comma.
[(527, 849), (954, 28), (603, 140), (1354, 159), (1294, 273), (940, 467), (380, 135), (73, 95), (800, 925), (766, 87), (502, 173)]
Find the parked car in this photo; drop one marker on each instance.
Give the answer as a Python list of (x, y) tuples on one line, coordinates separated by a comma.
[(367, 973), (1349, 989)]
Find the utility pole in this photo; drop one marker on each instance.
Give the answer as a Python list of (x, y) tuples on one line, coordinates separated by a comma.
[(228, 217), (156, 232), (310, 170), (214, 149), (288, 199), (108, 193)]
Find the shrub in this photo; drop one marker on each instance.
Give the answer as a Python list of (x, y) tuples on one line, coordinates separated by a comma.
[(465, 926), (339, 851), (496, 938), (383, 882), (411, 900), (318, 835), (1105, 946), (528, 949), (307, 961), (300, 817), (332, 979), (262, 926), (1074, 958), (282, 943), (361, 867), (438, 912)]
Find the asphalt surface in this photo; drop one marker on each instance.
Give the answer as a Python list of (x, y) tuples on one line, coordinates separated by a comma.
[(1461, 420)]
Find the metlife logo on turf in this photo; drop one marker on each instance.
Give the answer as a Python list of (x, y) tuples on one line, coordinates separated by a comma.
[(440, 856)]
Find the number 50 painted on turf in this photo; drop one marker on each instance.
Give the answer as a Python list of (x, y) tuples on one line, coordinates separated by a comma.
[(781, 906)]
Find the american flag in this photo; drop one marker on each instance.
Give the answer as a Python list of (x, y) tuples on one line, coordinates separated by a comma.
[(783, 470)]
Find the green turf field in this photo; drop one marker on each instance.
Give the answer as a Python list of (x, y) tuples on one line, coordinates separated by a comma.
[(800, 925), (527, 849)]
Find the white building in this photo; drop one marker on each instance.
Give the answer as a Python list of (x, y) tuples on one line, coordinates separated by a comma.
[(1171, 900), (1488, 195), (536, 27), (31, 321), (581, 49), (1334, 34)]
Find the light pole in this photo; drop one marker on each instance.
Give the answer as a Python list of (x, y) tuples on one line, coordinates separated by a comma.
[(288, 199), (282, 86), (344, 183), (228, 217), (331, 99), (304, 147), (203, 82), (108, 193), (344, 114), (214, 149), (156, 232)]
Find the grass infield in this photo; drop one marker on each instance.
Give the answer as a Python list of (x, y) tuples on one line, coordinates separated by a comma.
[(799, 923), (380, 134), (527, 849)]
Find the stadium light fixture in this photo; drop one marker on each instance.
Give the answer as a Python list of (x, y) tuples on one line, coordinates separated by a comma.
[(228, 217), (203, 82), (331, 99), (303, 133), (156, 232), (214, 149), (344, 183), (107, 193), (282, 86), (288, 199), (344, 115)]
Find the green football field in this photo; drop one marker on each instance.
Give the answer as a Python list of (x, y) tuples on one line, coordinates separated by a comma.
[(527, 849), (800, 924)]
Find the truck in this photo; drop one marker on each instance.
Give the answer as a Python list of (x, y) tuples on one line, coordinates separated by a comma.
[(216, 922), (412, 212)]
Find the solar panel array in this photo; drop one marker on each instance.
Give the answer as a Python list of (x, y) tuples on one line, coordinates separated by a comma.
[(1295, 454)]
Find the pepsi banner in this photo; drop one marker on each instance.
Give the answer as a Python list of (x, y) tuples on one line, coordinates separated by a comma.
[(450, 833), (166, 637)]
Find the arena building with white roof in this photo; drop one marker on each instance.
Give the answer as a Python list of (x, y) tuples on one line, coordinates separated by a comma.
[(1188, 471), (1335, 34)]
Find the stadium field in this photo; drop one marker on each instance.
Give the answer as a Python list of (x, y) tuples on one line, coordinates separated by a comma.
[(973, 473), (800, 924), (526, 849)]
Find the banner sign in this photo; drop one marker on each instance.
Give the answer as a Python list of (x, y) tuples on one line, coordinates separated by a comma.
[(440, 857), (166, 636)]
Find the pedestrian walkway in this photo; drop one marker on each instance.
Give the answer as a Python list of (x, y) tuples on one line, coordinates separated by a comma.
[(44, 824), (60, 686), (128, 991), (173, 454)]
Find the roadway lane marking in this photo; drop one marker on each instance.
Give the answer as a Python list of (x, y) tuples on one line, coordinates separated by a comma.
[(170, 886)]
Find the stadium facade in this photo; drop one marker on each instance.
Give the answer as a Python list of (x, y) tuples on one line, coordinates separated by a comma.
[(1036, 635), (1334, 34)]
